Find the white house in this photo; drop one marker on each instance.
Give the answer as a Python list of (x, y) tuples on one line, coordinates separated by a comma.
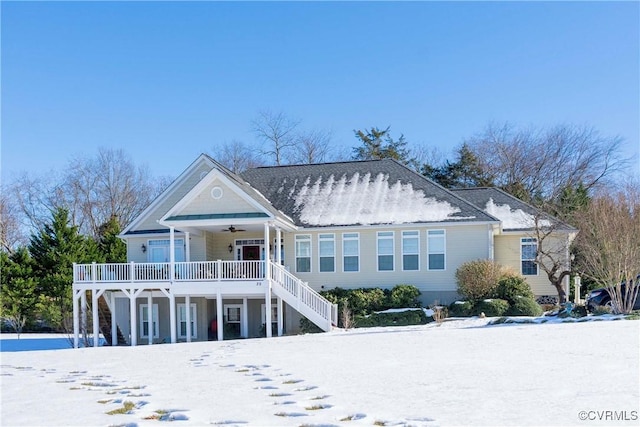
[(223, 255)]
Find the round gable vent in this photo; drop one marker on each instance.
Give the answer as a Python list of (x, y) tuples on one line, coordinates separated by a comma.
[(216, 193)]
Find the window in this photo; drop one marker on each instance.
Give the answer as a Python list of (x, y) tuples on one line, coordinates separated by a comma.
[(327, 252), (233, 320), (144, 320), (182, 321), (351, 251), (410, 250), (159, 250), (385, 251), (232, 313), (528, 252), (274, 313), (436, 247), (303, 253)]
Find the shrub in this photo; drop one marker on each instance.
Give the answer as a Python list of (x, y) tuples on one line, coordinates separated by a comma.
[(403, 296), (364, 301), (601, 309), (524, 307), (511, 288), (399, 318), (308, 327), (491, 307), (461, 309), (478, 280)]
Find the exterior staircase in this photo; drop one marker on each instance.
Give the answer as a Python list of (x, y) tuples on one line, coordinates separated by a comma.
[(104, 315), (303, 298)]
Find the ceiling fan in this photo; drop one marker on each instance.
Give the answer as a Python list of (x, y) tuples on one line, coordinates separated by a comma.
[(232, 229)]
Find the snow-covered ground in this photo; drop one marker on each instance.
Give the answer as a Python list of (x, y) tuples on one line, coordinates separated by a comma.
[(460, 373)]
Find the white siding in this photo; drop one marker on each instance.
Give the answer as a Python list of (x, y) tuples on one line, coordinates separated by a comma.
[(229, 202), (151, 222)]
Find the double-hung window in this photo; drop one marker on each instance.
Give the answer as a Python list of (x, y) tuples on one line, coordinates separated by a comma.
[(327, 252), (528, 252), (182, 321), (303, 253), (410, 250), (436, 246), (385, 250), (351, 251), (144, 320)]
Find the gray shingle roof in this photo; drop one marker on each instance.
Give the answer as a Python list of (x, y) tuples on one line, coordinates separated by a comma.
[(513, 212), (359, 192)]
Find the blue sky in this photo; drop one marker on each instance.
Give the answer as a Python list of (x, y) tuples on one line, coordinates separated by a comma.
[(166, 81)]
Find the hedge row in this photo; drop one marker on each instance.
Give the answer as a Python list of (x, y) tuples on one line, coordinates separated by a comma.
[(520, 306)]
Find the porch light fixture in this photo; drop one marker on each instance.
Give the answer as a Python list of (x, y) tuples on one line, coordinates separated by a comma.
[(144, 248), (230, 248)]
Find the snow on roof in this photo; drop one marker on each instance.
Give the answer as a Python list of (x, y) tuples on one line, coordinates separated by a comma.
[(513, 218), (360, 200)]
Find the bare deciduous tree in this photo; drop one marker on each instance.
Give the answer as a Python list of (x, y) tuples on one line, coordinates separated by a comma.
[(92, 190), (609, 243), (540, 163), (311, 147), (277, 132), (11, 231), (236, 156)]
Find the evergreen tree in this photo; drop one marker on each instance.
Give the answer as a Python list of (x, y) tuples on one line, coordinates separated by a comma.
[(465, 172), (378, 144), (111, 248), (18, 287), (54, 250)]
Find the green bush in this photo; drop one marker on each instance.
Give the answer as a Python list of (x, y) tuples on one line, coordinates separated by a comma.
[(478, 280), (491, 307), (461, 309), (364, 301), (401, 318), (308, 327), (403, 296), (511, 288), (524, 307)]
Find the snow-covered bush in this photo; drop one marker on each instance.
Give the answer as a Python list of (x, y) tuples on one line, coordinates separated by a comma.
[(478, 280), (524, 307), (491, 307), (461, 309)]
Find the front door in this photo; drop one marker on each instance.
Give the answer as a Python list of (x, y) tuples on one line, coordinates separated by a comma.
[(251, 253)]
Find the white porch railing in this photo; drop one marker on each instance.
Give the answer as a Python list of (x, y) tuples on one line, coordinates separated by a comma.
[(160, 271)]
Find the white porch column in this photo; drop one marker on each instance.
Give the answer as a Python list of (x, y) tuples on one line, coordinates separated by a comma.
[(267, 309), (150, 317), (83, 307), (134, 320), (114, 325), (76, 319), (187, 307), (172, 317), (172, 253), (245, 318), (187, 247), (219, 315), (280, 316), (278, 246), (95, 318), (267, 269)]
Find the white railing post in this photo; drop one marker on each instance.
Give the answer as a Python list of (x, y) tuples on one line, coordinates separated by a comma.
[(218, 274), (94, 272), (132, 272), (75, 275)]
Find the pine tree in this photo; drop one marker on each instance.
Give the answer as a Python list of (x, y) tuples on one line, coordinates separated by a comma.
[(18, 288), (54, 250), (111, 248), (378, 144)]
